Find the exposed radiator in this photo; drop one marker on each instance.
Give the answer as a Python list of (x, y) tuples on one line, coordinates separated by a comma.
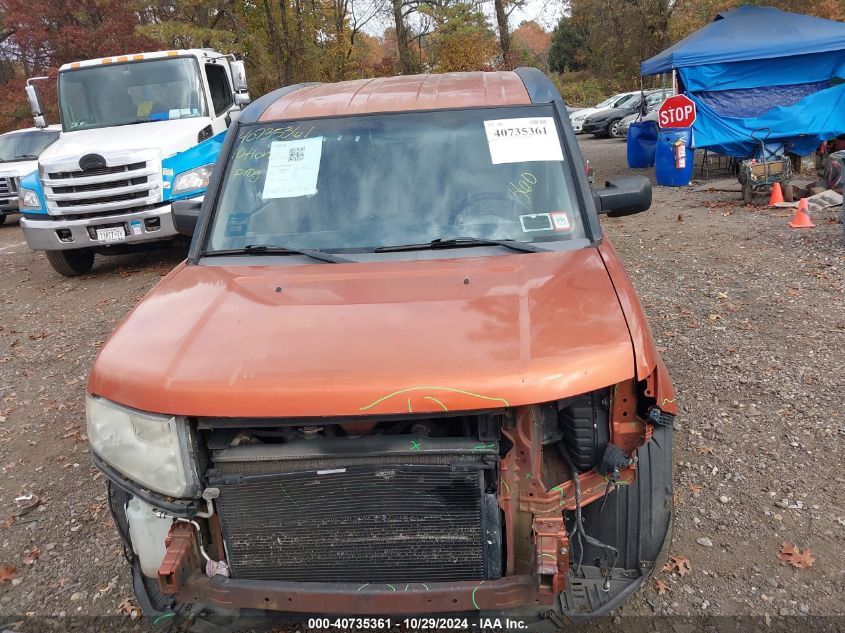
[(394, 522)]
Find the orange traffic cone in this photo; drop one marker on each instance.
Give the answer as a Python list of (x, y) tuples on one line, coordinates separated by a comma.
[(777, 195), (802, 216)]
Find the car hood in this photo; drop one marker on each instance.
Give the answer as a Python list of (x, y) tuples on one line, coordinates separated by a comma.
[(18, 169), (369, 338)]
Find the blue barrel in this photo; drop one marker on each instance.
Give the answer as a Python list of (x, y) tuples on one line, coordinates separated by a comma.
[(642, 141), (665, 171)]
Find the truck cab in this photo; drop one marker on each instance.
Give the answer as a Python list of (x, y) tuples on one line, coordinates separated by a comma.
[(137, 133), (19, 151)]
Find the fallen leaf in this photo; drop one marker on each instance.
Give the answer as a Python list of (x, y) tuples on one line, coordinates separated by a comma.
[(679, 564), (662, 587), (695, 489), (677, 498), (9, 521), (31, 557), (793, 555), (129, 609), (7, 572), (705, 450), (680, 218)]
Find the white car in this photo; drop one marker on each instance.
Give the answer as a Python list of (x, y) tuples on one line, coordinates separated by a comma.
[(578, 117), (19, 151)]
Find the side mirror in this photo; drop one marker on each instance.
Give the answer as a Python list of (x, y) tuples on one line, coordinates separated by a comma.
[(624, 196), (185, 214), (242, 99), (238, 75), (35, 105)]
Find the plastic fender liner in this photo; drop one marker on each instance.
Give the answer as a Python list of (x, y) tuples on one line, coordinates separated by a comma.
[(637, 521)]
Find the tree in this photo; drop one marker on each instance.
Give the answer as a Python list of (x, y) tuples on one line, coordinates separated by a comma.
[(532, 43), (460, 38), (568, 50)]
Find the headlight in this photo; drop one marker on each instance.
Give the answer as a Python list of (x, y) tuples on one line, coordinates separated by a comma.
[(153, 450), (28, 199), (192, 179)]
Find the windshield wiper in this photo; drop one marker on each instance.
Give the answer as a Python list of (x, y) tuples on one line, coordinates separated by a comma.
[(461, 242), (260, 249), (23, 157)]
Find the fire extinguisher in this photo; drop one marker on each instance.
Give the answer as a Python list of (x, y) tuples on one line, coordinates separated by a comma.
[(680, 154)]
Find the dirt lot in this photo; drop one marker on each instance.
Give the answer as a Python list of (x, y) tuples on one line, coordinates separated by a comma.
[(750, 317)]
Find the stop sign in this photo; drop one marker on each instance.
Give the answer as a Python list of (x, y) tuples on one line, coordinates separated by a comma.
[(676, 111)]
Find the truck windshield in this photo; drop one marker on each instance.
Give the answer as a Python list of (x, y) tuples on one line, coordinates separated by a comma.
[(19, 146), (359, 183), (132, 92)]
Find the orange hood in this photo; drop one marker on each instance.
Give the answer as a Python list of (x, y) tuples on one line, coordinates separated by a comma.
[(370, 338)]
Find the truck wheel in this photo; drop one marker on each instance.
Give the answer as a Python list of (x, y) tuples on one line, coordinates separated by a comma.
[(71, 263), (3, 218)]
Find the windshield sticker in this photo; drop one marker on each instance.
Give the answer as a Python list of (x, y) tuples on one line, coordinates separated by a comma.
[(523, 140), (237, 224), (536, 222), (521, 190), (560, 220), (292, 168)]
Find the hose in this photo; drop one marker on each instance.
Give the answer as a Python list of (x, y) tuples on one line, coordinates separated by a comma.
[(578, 529)]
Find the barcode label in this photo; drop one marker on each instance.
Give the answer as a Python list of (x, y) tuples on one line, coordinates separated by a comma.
[(296, 154)]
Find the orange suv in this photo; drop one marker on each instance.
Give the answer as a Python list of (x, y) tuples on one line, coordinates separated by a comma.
[(402, 372)]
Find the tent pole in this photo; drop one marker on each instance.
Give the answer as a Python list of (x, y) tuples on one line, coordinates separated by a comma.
[(674, 81)]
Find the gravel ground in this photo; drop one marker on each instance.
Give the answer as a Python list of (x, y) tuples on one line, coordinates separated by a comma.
[(749, 315)]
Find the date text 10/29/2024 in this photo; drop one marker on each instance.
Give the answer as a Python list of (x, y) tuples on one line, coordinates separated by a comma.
[(416, 624)]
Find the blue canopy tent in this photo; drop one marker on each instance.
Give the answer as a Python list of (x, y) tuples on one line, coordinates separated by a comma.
[(758, 67)]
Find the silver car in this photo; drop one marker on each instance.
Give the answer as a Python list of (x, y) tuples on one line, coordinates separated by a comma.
[(652, 103)]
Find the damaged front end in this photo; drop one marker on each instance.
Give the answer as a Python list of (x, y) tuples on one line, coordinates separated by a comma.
[(548, 512)]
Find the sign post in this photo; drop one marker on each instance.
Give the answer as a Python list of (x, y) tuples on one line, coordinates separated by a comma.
[(676, 111)]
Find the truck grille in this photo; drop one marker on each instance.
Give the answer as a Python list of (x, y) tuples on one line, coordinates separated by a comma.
[(7, 187), (124, 185), (396, 521)]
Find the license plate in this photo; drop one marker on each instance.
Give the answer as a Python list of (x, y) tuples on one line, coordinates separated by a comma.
[(111, 234)]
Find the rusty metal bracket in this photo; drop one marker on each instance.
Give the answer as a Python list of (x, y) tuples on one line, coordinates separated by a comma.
[(363, 598), (562, 496), (551, 545), (180, 560)]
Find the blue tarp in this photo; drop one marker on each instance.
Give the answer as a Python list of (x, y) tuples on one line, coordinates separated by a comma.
[(758, 67), (750, 33)]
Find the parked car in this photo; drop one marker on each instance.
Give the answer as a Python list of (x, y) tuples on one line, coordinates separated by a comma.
[(606, 122), (19, 151), (652, 103), (577, 118), (402, 370)]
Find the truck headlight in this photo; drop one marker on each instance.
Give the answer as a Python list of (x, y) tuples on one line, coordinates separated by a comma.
[(192, 179), (28, 199), (154, 450)]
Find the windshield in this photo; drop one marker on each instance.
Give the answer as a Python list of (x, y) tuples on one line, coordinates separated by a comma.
[(627, 100), (363, 182), (25, 145), (133, 92)]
